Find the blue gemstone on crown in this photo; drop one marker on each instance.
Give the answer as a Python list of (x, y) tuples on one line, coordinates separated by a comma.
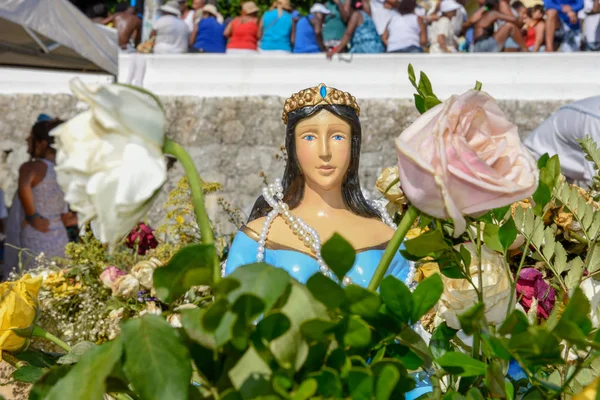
[(323, 91)]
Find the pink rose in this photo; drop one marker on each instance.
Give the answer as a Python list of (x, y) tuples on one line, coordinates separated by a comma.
[(110, 275), (463, 157), (530, 285)]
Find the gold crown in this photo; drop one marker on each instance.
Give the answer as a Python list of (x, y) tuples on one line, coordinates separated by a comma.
[(317, 95)]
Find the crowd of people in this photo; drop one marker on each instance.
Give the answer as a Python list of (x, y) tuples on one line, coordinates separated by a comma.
[(366, 26)]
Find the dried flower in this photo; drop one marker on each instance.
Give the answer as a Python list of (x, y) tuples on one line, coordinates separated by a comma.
[(142, 238), (125, 286), (143, 271), (531, 289), (110, 275)]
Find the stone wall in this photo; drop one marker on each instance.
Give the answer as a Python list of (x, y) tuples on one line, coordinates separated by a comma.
[(233, 139)]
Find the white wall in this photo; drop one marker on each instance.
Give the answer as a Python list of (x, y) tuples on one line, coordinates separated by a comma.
[(39, 81), (557, 76)]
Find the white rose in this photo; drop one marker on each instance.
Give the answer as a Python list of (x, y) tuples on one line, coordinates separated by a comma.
[(459, 295), (151, 308), (175, 318), (125, 286), (591, 288), (144, 270), (109, 159)]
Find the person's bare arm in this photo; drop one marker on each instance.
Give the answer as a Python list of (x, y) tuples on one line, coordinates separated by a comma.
[(27, 177), (345, 9), (441, 39), (228, 28), (473, 19), (423, 33), (540, 30), (260, 29), (385, 36), (350, 28), (108, 20), (317, 23), (193, 35), (293, 35), (504, 17), (367, 7), (137, 35)]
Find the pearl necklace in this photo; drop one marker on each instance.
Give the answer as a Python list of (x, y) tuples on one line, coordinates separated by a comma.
[(273, 195)]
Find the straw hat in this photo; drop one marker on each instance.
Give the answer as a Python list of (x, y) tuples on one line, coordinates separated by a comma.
[(250, 7), (211, 9), (171, 7)]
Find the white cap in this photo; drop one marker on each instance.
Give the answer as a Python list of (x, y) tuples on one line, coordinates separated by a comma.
[(449, 6), (319, 8)]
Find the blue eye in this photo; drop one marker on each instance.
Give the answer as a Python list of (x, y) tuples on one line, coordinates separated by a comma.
[(309, 138), (338, 137)]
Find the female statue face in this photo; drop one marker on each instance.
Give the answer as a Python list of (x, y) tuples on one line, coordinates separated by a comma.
[(323, 144)]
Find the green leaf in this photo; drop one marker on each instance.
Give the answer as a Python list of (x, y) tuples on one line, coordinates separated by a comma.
[(326, 291), (431, 101), (157, 363), (494, 381), (86, 380), (409, 358), (425, 88), (28, 374), (543, 160), (360, 383), (194, 328), (427, 243), (225, 286), (37, 358), (317, 329), (264, 281), (461, 364), (397, 298), (250, 375), (329, 383), (273, 326), (76, 352), (405, 382), (541, 197), (42, 386), (190, 266), (420, 103), (306, 390), (507, 234), (536, 347), (426, 295), (472, 319), (361, 301), (214, 314), (290, 349), (440, 340), (496, 347), (247, 307), (515, 323), (339, 255), (490, 237), (575, 273), (357, 334), (386, 381), (411, 76), (475, 394)]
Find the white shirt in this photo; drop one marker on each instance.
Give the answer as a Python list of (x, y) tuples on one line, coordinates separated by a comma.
[(442, 26), (559, 134), (171, 35), (189, 20), (381, 16), (404, 31)]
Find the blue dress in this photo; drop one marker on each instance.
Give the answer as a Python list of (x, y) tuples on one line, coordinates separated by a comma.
[(365, 38), (302, 266)]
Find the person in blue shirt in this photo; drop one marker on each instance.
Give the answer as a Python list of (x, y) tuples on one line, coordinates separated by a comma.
[(307, 33), (275, 28), (561, 14), (208, 36)]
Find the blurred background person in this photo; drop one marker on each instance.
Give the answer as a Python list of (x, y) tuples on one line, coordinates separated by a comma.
[(275, 28), (170, 32), (406, 32), (307, 33), (208, 36), (243, 30)]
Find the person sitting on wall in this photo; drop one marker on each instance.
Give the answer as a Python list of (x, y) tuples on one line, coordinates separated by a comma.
[(242, 31), (208, 36), (562, 23), (307, 33), (170, 32), (128, 25), (559, 135)]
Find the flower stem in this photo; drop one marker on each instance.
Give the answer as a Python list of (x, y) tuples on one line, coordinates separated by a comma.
[(513, 287), (195, 182), (39, 332), (477, 333), (405, 224)]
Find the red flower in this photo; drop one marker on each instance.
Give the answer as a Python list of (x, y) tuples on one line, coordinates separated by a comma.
[(530, 285), (141, 237)]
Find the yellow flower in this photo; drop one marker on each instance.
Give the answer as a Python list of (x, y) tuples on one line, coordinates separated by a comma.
[(414, 232), (18, 306), (589, 392), (179, 220)]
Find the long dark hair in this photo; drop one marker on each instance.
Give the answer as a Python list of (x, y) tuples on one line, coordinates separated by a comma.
[(293, 180), (41, 132)]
